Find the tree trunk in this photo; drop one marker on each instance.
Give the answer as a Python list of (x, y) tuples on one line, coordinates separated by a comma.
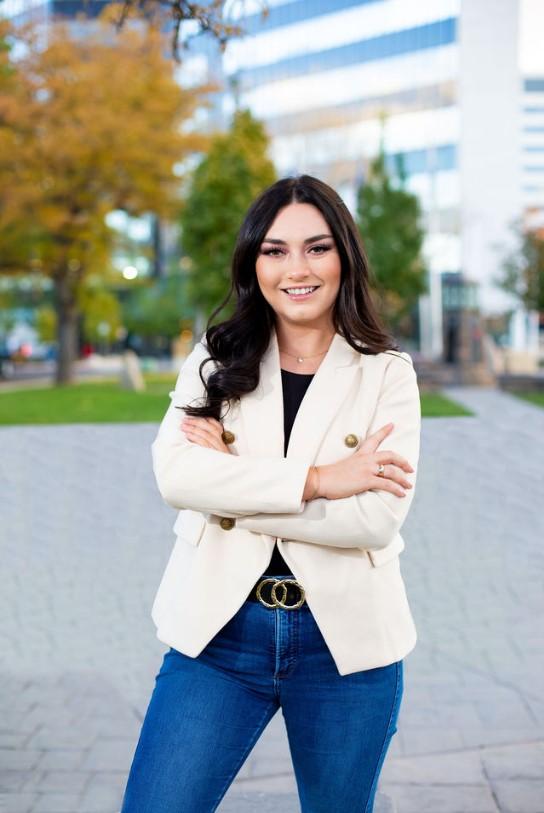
[(158, 248), (67, 327)]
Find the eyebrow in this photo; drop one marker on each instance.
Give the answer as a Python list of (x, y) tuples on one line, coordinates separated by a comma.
[(308, 239)]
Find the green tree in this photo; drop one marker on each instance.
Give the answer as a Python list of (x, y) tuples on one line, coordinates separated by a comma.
[(522, 271), (235, 170), (159, 309), (7, 319), (389, 217), (101, 313), (46, 323), (98, 305)]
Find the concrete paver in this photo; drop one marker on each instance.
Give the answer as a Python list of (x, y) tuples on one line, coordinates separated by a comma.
[(85, 538)]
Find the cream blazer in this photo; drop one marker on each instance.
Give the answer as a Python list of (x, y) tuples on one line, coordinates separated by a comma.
[(344, 552)]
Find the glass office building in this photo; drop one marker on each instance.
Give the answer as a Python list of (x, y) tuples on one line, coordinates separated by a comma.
[(463, 107)]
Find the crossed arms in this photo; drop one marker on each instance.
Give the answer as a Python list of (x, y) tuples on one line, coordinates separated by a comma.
[(207, 480), (266, 493)]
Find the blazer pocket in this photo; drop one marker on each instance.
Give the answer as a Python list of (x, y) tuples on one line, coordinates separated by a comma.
[(383, 555), (190, 525)]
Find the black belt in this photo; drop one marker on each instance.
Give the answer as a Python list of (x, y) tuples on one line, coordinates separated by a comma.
[(278, 591)]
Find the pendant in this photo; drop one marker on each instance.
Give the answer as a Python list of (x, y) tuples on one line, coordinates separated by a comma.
[(299, 359)]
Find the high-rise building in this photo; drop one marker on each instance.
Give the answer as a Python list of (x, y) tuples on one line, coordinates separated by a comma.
[(461, 83)]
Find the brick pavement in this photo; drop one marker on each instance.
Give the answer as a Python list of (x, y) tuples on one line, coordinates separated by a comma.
[(79, 654)]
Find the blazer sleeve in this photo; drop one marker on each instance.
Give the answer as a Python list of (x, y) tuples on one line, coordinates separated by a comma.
[(192, 476), (370, 519)]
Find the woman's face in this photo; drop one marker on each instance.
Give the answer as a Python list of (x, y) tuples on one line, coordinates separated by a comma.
[(299, 251)]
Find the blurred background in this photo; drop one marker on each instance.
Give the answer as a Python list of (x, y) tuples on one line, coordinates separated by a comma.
[(122, 190), (133, 138)]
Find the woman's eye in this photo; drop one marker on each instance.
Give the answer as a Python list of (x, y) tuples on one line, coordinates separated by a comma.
[(273, 251)]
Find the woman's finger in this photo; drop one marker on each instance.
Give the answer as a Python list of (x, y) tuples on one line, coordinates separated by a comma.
[(196, 437), (392, 472), (387, 456), (202, 434), (205, 435), (383, 484), (202, 428), (373, 441)]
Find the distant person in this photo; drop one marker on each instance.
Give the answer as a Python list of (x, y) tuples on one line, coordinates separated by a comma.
[(284, 587)]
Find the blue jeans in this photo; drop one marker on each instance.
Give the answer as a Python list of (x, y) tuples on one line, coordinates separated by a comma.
[(206, 714)]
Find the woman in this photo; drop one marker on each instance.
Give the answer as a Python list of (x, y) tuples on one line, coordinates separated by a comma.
[(284, 589)]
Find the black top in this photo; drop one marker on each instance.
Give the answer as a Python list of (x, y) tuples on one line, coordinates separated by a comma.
[(294, 387)]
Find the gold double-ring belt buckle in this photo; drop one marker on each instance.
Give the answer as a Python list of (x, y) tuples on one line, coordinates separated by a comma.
[(280, 602)]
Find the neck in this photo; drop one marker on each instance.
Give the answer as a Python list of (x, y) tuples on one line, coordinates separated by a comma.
[(304, 341)]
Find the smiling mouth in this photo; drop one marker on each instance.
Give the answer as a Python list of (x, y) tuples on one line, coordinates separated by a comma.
[(307, 289)]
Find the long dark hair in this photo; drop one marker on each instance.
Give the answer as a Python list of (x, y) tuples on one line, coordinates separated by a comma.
[(237, 344)]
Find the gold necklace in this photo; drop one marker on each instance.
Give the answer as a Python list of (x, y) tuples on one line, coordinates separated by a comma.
[(303, 358)]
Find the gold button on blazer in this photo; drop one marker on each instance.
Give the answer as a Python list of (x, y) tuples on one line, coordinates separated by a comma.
[(344, 552), (351, 440)]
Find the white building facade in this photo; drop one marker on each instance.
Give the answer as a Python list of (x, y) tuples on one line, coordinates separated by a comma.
[(464, 105)]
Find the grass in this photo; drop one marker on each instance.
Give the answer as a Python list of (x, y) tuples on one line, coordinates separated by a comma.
[(104, 402), (435, 405), (536, 398), (88, 402)]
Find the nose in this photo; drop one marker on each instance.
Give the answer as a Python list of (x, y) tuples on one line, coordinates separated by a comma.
[(299, 267)]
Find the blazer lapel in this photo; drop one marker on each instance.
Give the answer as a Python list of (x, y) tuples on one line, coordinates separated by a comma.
[(262, 410)]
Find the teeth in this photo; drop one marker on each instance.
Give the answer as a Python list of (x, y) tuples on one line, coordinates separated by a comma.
[(300, 290)]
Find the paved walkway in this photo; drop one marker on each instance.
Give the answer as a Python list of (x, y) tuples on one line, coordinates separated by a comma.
[(84, 541)]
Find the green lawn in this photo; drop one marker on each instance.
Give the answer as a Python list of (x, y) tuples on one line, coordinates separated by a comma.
[(90, 402), (105, 402), (536, 398), (435, 405)]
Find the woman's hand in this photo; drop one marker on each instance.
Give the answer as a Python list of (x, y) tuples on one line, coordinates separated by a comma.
[(357, 473), (205, 432)]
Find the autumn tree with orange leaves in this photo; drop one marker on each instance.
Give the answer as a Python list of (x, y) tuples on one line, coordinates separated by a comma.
[(87, 126)]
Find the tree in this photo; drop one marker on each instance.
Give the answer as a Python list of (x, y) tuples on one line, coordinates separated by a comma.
[(101, 314), (522, 272), (159, 309), (11, 101), (7, 319), (46, 323), (232, 174), (209, 18), (6, 70), (91, 126), (388, 218)]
